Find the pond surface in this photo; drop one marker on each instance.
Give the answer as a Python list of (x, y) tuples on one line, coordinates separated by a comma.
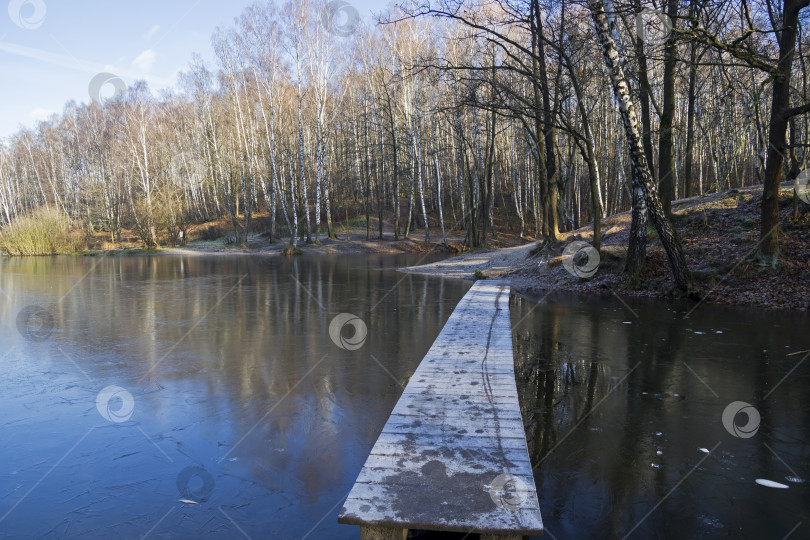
[(624, 413), (232, 393), (128, 384)]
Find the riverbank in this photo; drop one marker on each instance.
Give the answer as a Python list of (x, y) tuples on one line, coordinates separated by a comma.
[(211, 238), (719, 233), (327, 246)]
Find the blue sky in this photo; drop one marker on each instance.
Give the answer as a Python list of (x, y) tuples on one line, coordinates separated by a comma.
[(51, 49)]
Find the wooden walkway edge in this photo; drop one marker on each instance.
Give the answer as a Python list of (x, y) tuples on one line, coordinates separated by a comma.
[(453, 454)]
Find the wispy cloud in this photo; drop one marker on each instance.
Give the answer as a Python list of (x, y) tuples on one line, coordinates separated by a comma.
[(69, 62), (151, 32), (145, 61)]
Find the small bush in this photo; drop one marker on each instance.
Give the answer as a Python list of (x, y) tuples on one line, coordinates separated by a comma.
[(45, 232), (289, 251), (479, 275)]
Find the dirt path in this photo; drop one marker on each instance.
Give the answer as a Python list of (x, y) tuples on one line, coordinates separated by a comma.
[(493, 262), (340, 246), (718, 232)]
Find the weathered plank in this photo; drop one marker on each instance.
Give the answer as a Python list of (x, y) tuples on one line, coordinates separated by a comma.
[(453, 455)]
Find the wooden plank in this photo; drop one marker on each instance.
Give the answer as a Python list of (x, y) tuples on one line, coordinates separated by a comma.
[(465, 461), (452, 456), (483, 427), (439, 394), (464, 488), (454, 388), (445, 442), (473, 380), (461, 508), (398, 443), (453, 408)]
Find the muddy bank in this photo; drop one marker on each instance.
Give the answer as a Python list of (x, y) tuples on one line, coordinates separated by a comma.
[(339, 246)]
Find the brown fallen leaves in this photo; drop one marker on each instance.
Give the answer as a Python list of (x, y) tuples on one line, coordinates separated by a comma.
[(720, 234)]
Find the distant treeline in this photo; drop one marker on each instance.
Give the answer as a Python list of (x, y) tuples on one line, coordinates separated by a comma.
[(453, 111)]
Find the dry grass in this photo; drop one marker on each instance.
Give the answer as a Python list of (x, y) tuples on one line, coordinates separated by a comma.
[(45, 232)]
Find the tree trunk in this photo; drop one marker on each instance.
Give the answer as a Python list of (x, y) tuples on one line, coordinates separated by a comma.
[(645, 91), (549, 133), (412, 153), (438, 175), (777, 133), (666, 155), (395, 183), (419, 167), (589, 155), (301, 156), (318, 176), (641, 170), (541, 171), (690, 116)]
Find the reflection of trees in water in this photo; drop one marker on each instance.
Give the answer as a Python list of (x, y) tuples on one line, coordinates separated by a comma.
[(558, 380), (226, 352), (562, 370), (599, 474), (253, 348), (244, 316)]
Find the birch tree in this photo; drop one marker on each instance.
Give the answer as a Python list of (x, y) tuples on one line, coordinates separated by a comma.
[(641, 170)]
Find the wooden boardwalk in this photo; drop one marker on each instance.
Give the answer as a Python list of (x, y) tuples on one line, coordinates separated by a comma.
[(453, 455)]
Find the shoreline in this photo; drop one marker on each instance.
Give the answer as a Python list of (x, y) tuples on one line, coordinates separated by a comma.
[(718, 233)]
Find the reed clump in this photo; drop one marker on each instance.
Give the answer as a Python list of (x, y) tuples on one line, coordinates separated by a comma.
[(47, 231)]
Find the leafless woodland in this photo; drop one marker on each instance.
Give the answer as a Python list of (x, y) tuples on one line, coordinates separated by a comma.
[(440, 116)]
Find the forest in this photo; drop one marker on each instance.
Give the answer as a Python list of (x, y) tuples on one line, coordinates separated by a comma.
[(418, 269), (539, 116)]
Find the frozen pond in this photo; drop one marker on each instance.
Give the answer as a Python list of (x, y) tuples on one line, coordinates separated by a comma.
[(132, 384), (629, 412), (232, 393)]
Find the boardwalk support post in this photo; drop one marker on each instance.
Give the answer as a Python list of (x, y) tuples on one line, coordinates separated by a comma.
[(382, 533)]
